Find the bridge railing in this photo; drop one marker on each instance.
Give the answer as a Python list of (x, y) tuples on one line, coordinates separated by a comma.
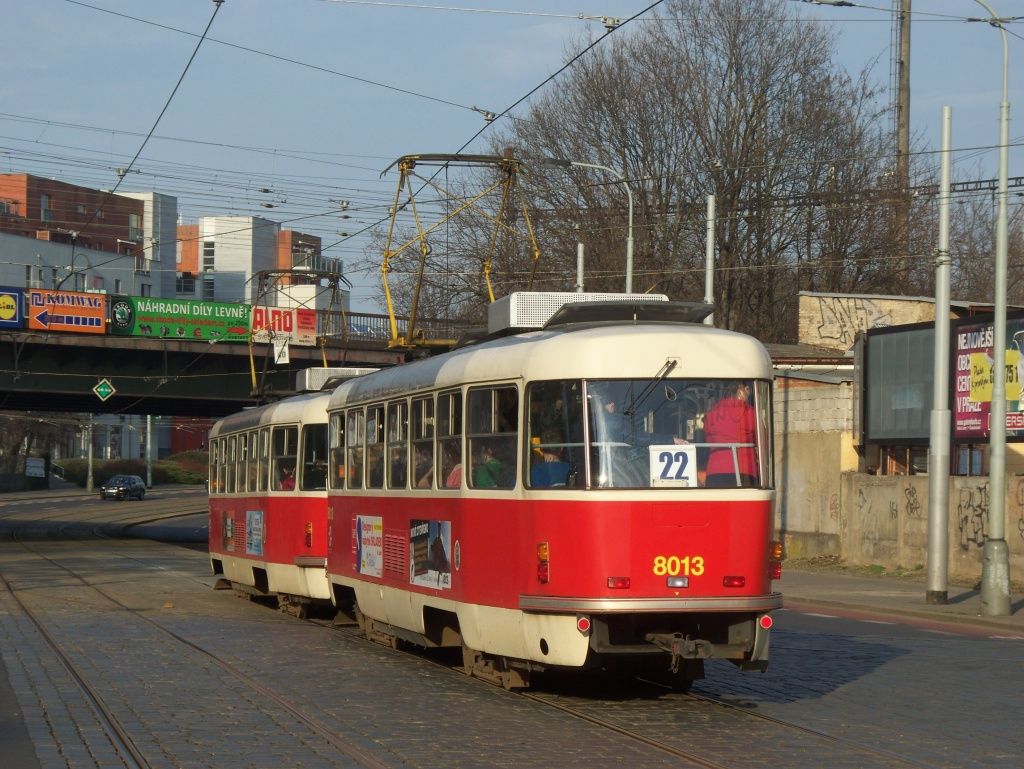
[(373, 327)]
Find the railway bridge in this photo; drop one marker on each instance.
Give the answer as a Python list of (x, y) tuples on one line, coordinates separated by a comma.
[(52, 371)]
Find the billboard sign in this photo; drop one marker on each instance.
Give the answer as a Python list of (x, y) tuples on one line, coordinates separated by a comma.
[(12, 307), (185, 319), (973, 378), (279, 324), (73, 311)]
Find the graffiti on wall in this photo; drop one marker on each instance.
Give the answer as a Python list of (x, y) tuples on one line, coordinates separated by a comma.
[(1020, 508), (870, 535), (840, 318), (913, 507), (835, 512), (972, 515)]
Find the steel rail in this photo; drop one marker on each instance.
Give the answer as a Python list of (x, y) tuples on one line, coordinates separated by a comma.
[(332, 737)]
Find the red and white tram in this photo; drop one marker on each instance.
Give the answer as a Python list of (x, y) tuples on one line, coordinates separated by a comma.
[(597, 493), (268, 501)]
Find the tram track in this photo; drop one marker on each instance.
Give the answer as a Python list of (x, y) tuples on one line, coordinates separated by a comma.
[(120, 737), (661, 731), (826, 743)]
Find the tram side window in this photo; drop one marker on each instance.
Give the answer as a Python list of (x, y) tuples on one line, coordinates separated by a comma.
[(375, 447), (493, 437), (336, 442), (229, 464), (284, 452), (214, 466), (241, 462), (222, 466), (264, 459), (354, 440), (252, 461), (556, 451), (398, 444), (423, 443), (314, 457), (449, 440)]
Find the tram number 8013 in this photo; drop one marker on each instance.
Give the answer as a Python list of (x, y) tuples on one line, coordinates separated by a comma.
[(673, 566)]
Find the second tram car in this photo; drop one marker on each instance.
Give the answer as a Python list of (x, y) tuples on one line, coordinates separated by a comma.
[(591, 494), (268, 501)]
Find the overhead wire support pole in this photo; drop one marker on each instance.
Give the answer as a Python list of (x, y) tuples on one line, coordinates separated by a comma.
[(995, 570), (629, 195), (938, 443), (709, 261)]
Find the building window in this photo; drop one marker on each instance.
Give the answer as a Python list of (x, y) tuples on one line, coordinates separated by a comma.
[(117, 286), (208, 254), (185, 284), (135, 227), (145, 289), (45, 208), (208, 293)]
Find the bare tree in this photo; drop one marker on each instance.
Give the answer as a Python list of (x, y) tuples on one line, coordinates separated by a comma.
[(730, 98)]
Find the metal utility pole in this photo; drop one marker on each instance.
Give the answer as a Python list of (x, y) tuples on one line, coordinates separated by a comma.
[(938, 443), (709, 261), (995, 570), (902, 121), (149, 451)]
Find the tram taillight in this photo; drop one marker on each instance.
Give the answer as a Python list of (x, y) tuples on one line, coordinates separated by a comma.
[(734, 581), (618, 583), (543, 563), (775, 560)]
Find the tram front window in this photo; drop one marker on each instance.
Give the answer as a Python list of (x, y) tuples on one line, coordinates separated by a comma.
[(671, 433)]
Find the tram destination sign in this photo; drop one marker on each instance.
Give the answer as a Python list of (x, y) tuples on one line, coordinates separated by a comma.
[(179, 319)]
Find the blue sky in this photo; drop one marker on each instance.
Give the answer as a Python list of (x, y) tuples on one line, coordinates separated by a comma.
[(244, 121)]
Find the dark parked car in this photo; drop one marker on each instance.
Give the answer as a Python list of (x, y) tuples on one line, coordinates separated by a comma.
[(123, 487)]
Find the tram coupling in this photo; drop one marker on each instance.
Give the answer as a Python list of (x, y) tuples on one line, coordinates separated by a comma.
[(681, 647)]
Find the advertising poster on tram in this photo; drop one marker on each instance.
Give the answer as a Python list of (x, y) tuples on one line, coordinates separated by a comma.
[(429, 545), (370, 544), (972, 359), (254, 535), (12, 307), (279, 324), (73, 311), (179, 319)]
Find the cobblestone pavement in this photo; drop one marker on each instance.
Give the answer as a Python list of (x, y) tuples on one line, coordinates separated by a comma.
[(912, 696), (872, 676)]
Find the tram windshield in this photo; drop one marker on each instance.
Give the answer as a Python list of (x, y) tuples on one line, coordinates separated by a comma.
[(649, 433)]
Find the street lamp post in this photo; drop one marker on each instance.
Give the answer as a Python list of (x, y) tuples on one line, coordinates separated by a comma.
[(995, 570), (629, 194)]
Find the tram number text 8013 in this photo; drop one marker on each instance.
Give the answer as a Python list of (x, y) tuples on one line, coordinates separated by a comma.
[(672, 566)]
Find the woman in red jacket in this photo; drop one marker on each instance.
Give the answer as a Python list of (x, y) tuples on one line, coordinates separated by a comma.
[(732, 421)]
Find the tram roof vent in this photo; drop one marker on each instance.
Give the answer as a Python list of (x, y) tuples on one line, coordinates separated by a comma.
[(533, 309), (316, 379)]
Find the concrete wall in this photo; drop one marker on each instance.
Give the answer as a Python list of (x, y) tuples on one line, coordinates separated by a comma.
[(833, 320), (813, 444), (884, 520)]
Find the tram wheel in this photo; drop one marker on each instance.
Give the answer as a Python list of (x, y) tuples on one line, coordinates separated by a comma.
[(496, 670)]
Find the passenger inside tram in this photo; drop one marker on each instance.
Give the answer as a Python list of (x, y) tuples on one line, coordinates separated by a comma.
[(548, 469)]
